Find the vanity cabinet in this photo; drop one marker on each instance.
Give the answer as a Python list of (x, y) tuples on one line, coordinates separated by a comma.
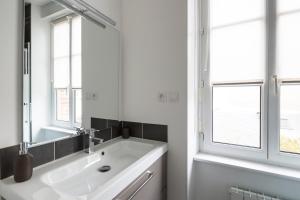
[(150, 185)]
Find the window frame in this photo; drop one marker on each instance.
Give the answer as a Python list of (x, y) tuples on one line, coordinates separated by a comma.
[(275, 154), (270, 100), (71, 91), (206, 88)]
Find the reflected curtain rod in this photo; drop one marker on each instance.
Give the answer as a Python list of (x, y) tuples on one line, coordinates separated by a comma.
[(96, 12), (87, 8)]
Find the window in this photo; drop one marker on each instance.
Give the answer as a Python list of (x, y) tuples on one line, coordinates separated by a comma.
[(288, 72), (250, 78), (236, 115), (290, 118), (66, 51)]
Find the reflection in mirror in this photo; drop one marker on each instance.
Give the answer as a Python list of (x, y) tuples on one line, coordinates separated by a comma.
[(67, 62)]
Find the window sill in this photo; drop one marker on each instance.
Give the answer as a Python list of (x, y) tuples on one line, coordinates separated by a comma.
[(274, 170), (58, 129)]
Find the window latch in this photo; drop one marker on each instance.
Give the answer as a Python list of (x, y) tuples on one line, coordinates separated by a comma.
[(202, 33), (202, 84), (276, 84), (201, 135)]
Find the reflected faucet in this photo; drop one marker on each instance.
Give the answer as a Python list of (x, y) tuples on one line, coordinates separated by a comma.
[(80, 130)]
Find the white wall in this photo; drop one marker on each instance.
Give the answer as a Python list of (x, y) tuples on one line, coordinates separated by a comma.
[(11, 72), (155, 60), (100, 72), (213, 181), (40, 73)]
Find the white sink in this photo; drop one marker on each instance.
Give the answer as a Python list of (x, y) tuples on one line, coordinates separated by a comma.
[(82, 177), (78, 176)]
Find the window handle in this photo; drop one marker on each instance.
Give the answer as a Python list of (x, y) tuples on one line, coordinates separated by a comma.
[(205, 53), (276, 83)]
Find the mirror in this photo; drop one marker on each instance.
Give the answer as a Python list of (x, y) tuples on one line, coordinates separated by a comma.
[(70, 71)]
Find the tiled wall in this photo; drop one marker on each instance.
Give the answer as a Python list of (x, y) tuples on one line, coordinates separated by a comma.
[(109, 129), (148, 131), (41, 154), (137, 129)]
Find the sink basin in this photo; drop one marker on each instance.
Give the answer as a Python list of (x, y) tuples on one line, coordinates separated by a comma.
[(78, 176), (82, 176)]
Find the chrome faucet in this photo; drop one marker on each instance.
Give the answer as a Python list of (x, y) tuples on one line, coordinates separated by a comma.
[(80, 130), (92, 140)]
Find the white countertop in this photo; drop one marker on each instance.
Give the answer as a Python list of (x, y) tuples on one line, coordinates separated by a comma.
[(36, 189)]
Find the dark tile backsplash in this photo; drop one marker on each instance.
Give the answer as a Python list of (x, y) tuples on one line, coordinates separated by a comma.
[(104, 134), (8, 156), (136, 129), (42, 154), (113, 123), (155, 132), (109, 129), (68, 146), (98, 123), (115, 127), (148, 131), (115, 132)]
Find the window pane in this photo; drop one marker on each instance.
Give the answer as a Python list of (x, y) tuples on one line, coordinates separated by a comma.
[(62, 105), (76, 71), (233, 11), (78, 106), (61, 72), (288, 45), (76, 35), (238, 52), (61, 37), (236, 115), (290, 118), (287, 5)]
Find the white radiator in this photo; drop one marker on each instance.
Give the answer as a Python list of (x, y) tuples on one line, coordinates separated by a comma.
[(240, 194)]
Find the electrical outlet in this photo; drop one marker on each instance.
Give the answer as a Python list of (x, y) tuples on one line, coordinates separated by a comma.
[(162, 97), (90, 96), (94, 96)]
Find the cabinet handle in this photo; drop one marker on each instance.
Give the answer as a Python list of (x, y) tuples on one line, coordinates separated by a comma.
[(150, 175)]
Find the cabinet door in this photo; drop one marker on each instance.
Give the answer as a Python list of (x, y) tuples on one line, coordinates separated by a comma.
[(151, 191), (151, 185)]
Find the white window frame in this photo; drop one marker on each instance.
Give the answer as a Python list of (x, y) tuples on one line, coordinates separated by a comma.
[(275, 155), (72, 98), (270, 96)]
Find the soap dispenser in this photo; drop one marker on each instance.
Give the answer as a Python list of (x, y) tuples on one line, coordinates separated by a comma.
[(23, 164)]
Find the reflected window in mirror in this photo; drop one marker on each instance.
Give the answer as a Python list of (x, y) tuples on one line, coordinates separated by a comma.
[(64, 53), (66, 71)]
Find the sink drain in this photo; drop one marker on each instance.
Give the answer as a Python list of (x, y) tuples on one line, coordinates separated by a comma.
[(104, 168)]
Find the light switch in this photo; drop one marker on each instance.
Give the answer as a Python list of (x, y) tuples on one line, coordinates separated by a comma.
[(173, 97), (88, 96)]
